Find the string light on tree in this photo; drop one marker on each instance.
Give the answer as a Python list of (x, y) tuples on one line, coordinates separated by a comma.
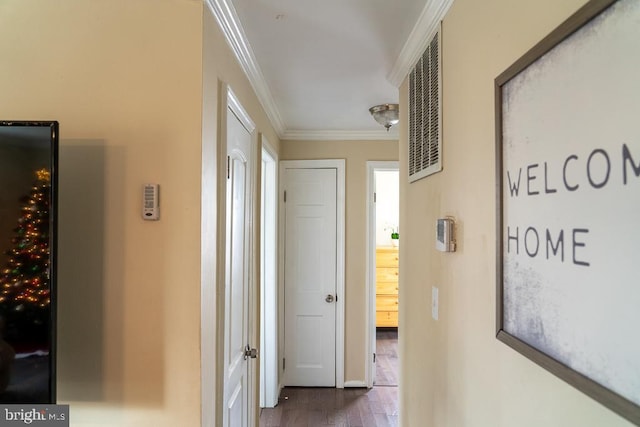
[(24, 281)]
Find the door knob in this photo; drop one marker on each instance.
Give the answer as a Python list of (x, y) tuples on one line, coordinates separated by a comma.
[(250, 352), (329, 298)]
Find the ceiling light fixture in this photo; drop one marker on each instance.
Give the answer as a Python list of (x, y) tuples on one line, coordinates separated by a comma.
[(385, 114)]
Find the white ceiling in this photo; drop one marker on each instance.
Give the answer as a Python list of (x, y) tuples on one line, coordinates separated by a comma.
[(317, 66)]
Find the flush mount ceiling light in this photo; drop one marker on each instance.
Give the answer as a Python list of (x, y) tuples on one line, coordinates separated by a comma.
[(385, 114)]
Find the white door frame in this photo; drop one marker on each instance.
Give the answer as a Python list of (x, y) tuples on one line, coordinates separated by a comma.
[(209, 275), (340, 166), (269, 354), (370, 293)]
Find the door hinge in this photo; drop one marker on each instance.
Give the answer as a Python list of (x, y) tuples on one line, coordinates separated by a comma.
[(374, 358), (283, 363), (375, 197), (228, 166), (250, 352), (285, 196)]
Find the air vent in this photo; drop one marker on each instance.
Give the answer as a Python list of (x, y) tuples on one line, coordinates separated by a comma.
[(425, 112)]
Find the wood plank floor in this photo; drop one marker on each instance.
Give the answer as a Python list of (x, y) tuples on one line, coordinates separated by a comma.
[(386, 357), (350, 407)]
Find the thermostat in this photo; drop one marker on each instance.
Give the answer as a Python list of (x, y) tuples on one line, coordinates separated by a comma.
[(444, 235), (150, 202)]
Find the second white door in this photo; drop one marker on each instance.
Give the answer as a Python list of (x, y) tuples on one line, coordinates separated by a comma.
[(310, 276)]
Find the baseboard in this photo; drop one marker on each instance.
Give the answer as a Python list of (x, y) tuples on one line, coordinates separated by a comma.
[(355, 384)]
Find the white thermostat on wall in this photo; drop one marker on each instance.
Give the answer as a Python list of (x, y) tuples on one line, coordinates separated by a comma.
[(444, 235), (150, 202)]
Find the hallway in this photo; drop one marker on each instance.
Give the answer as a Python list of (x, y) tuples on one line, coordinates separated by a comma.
[(350, 407)]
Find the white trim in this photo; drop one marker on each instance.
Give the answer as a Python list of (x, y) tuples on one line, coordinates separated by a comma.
[(253, 317), (232, 29), (221, 188), (266, 146), (370, 265), (270, 355), (209, 351), (233, 103), (340, 166), (340, 269), (354, 384), (433, 12), (341, 135)]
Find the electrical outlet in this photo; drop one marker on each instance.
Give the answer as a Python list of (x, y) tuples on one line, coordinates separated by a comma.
[(434, 302)]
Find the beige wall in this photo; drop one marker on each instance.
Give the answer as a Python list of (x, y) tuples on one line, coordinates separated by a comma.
[(454, 371), (356, 153), (125, 81)]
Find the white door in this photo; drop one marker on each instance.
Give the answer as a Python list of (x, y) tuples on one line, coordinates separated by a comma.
[(310, 276), (237, 381)]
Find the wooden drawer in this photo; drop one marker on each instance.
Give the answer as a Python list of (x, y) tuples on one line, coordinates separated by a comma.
[(387, 257), (386, 319), (387, 302), (387, 274), (388, 288)]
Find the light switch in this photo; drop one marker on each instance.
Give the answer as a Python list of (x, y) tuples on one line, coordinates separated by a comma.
[(434, 302)]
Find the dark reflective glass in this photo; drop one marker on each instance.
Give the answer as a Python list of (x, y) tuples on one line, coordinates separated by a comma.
[(28, 171)]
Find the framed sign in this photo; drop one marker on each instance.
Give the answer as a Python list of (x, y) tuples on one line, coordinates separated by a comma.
[(568, 203)]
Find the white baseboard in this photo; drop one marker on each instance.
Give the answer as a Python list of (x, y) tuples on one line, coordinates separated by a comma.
[(355, 384)]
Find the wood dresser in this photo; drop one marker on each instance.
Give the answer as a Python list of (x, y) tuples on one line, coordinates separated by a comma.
[(387, 286)]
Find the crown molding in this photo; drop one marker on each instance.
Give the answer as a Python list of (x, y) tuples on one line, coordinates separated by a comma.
[(433, 12), (229, 23), (341, 135)]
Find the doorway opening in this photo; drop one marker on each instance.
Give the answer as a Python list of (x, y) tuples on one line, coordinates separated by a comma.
[(383, 272)]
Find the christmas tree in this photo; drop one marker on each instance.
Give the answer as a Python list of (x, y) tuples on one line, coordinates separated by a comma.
[(24, 281)]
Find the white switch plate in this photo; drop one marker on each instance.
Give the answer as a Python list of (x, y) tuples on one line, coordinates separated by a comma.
[(434, 302)]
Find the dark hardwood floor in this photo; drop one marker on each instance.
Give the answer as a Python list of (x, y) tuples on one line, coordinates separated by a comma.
[(386, 357), (349, 407)]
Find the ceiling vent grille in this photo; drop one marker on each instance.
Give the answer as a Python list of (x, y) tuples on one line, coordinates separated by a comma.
[(425, 112)]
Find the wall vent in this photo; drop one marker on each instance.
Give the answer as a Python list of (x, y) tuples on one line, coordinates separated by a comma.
[(425, 112)]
